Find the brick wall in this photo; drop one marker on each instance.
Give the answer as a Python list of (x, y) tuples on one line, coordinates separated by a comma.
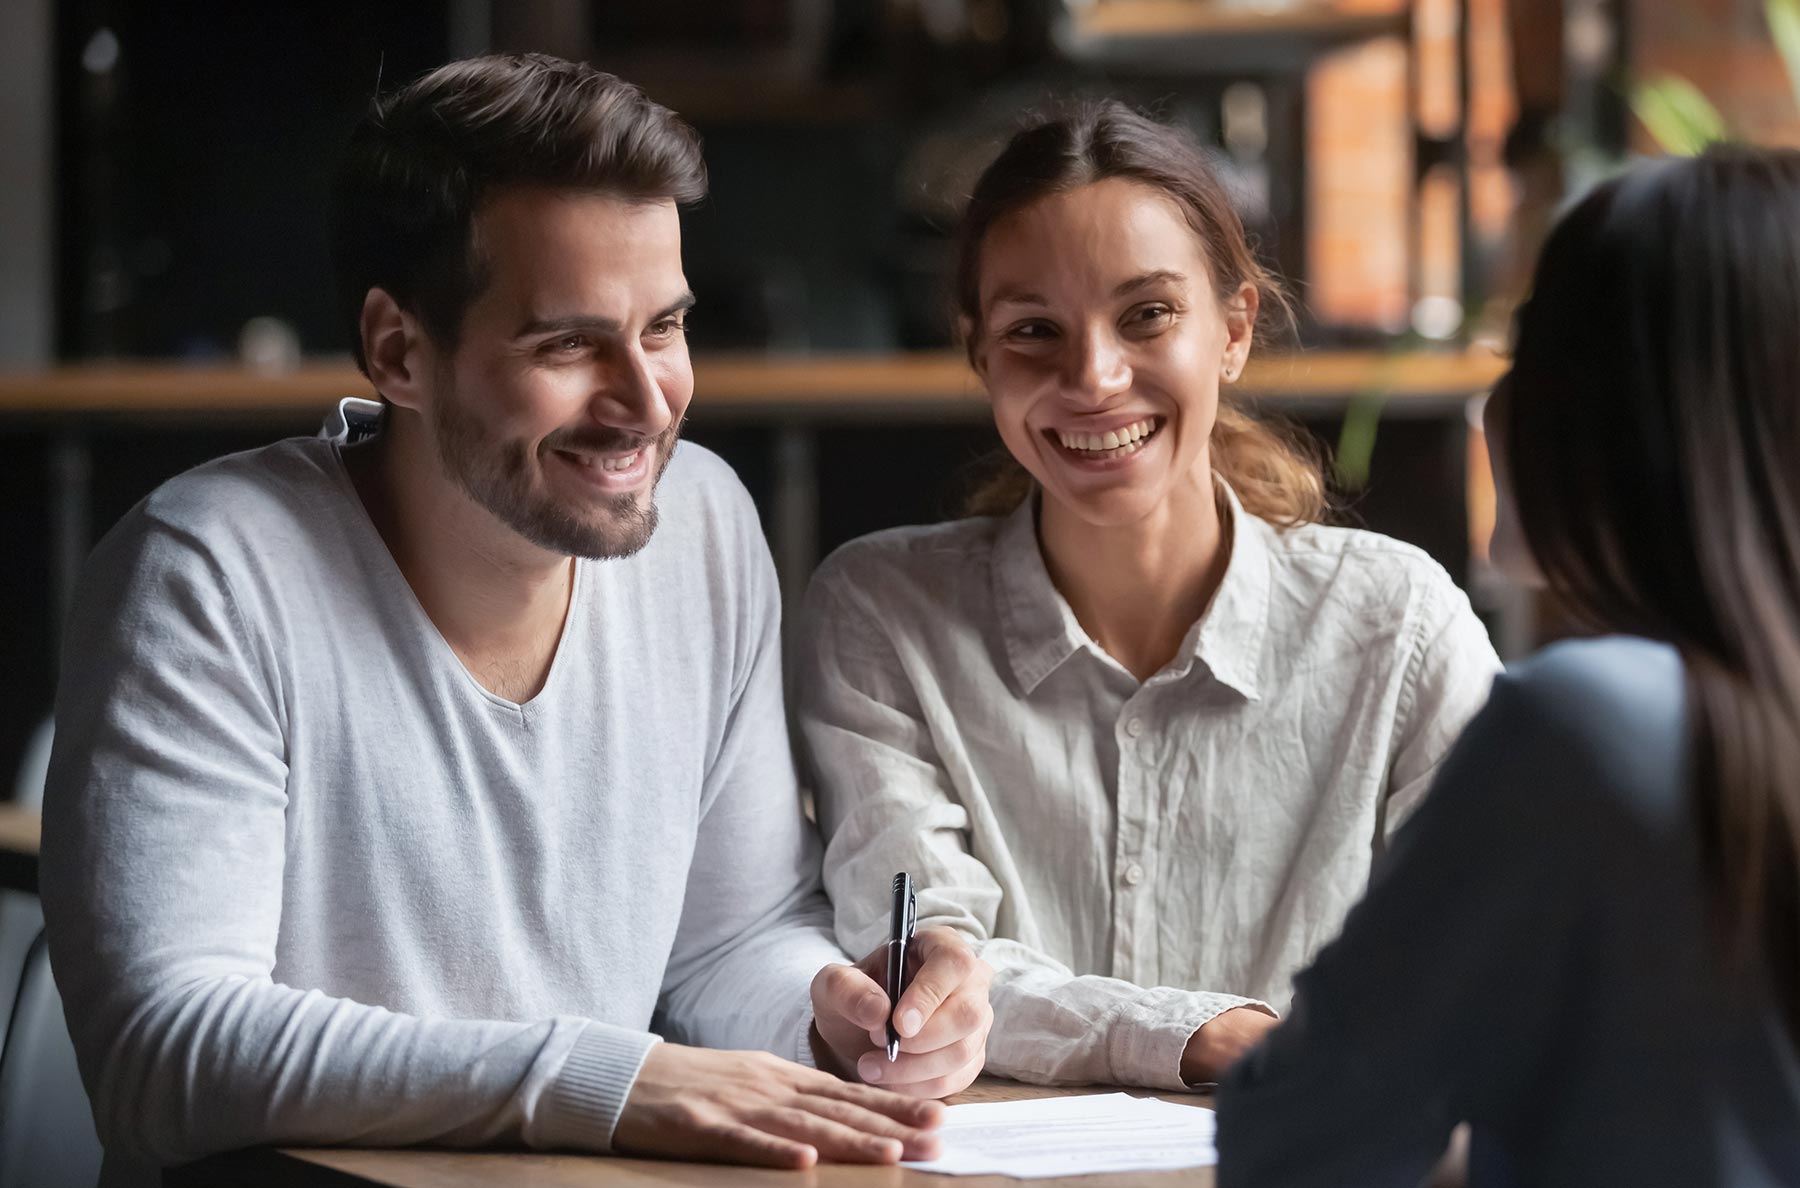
[(1722, 47), (1360, 164)]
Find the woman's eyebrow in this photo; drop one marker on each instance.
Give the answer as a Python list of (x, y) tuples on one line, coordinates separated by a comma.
[(1149, 278), (1017, 295)]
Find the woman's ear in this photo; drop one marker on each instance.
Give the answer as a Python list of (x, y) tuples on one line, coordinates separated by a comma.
[(394, 349), (1240, 329)]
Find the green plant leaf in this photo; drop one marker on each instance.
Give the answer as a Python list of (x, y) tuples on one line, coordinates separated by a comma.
[(1784, 28), (1681, 119), (1356, 440)]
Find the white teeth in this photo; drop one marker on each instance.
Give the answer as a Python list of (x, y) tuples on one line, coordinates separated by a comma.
[(609, 464), (1122, 438)]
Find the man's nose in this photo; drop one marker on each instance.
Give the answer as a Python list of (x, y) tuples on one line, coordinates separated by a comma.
[(630, 395)]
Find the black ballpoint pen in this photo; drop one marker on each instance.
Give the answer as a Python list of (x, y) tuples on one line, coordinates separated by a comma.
[(904, 918)]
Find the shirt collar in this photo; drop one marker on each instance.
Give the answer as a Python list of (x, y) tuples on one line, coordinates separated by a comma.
[(1040, 632), (1035, 620), (1228, 639)]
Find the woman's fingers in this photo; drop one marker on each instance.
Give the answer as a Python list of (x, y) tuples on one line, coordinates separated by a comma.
[(913, 1069), (947, 968), (963, 1015)]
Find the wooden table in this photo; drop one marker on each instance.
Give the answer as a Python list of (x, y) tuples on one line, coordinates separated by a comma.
[(19, 831), (297, 1168)]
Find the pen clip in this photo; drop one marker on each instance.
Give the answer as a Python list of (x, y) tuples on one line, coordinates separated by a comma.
[(905, 908)]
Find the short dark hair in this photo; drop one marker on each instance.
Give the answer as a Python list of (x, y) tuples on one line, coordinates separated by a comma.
[(423, 158)]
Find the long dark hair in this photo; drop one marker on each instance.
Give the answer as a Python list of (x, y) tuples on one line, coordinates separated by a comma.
[(1275, 477), (1654, 440)]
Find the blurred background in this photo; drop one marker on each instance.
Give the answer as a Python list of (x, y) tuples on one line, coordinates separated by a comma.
[(165, 295)]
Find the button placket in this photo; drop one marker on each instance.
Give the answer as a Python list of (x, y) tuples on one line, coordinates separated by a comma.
[(1138, 873), (1134, 803)]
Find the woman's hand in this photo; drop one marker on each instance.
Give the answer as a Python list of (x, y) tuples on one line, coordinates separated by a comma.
[(943, 1018), (1221, 1040)]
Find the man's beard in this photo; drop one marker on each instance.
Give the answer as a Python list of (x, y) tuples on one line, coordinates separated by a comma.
[(497, 475)]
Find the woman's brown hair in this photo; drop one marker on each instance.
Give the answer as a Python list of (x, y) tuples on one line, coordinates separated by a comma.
[(1275, 478), (1653, 437)]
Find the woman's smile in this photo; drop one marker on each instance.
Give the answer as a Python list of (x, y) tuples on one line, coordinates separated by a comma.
[(1101, 448)]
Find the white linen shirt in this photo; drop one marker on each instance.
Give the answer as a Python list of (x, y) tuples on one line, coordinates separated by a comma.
[(1132, 858)]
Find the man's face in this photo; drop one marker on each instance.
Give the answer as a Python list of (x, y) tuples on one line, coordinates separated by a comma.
[(559, 408)]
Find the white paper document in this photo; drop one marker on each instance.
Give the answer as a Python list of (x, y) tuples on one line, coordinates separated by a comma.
[(1072, 1136)]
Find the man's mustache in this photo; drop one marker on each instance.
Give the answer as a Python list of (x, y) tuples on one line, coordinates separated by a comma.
[(601, 440)]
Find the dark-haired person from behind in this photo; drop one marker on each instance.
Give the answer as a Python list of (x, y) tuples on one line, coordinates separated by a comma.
[(1586, 944), (1140, 727), (401, 788)]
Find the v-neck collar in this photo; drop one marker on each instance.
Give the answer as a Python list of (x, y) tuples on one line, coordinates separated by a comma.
[(404, 595)]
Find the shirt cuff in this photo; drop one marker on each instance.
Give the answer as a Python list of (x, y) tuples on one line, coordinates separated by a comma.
[(803, 1052), (582, 1108), (1145, 1044)]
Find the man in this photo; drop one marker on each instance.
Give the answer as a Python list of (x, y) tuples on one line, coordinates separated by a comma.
[(398, 786)]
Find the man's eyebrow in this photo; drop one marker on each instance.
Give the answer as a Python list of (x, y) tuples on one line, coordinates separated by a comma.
[(1149, 278), (681, 304), (569, 323)]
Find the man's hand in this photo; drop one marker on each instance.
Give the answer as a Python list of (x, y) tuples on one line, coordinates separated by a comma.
[(943, 1018), (1221, 1040), (754, 1108)]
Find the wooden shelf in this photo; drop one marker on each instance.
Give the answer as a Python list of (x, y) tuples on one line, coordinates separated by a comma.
[(926, 385), (1197, 36)]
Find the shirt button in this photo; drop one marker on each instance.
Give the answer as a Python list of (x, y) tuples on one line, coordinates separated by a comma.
[(1134, 727), (1134, 874)]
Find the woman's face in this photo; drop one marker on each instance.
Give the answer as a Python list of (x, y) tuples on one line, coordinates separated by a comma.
[(1102, 342)]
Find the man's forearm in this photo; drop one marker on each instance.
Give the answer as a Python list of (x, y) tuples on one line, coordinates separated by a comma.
[(232, 1062)]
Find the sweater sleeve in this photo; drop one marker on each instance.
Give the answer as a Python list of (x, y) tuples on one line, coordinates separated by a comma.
[(755, 928), (162, 867), (1450, 980), (888, 804)]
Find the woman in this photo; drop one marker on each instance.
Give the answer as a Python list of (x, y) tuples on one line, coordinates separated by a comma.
[(1603, 886), (1141, 734)]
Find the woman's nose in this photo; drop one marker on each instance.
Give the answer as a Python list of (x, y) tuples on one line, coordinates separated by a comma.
[(1099, 369)]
